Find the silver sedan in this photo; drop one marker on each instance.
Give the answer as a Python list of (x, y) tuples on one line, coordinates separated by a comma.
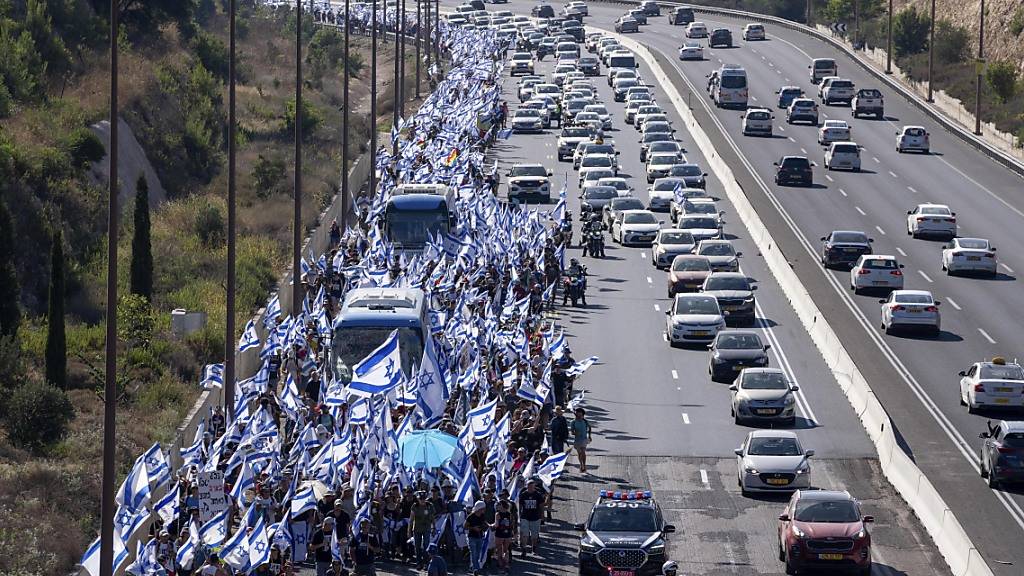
[(772, 461)]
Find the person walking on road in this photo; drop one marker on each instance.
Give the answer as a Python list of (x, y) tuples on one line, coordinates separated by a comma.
[(476, 528), (437, 565), (421, 518), (531, 508), (559, 431), (581, 437)]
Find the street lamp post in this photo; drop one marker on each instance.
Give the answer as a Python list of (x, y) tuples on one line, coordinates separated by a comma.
[(980, 65), (401, 66), (229, 321), (345, 199), (297, 198), (931, 51)]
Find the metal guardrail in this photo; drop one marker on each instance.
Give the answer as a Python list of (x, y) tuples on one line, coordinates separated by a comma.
[(908, 93)]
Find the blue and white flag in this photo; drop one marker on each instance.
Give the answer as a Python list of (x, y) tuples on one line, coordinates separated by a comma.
[(469, 488), (528, 392), (213, 376), (167, 507), (134, 491), (216, 530), (581, 367), (250, 337), (187, 551), (244, 482), (481, 419), (259, 544), (552, 468), (273, 312), (303, 501), (379, 372), (91, 559), (431, 401), (156, 466), (235, 551), (576, 401)]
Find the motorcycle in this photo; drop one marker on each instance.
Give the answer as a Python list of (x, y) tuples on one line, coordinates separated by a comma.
[(574, 287), (595, 243)]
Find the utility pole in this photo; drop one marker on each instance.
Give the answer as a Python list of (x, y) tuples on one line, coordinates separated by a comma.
[(373, 100), (110, 376), (856, 23), (419, 38), (888, 42), (808, 17), (430, 30), (980, 65), (395, 103), (931, 51), (230, 347), (345, 192), (401, 64), (297, 216), (437, 28)]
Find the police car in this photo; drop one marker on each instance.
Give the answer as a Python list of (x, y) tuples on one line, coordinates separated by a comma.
[(624, 535)]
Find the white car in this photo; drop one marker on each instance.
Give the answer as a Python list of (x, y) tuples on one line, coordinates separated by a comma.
[(569, 139), (527, 120), (693, 318), (621, 185), (595, 163), (702, 227), (931, 220), (658, 166), (590, 119), (602, 113), (558, 76), (700, 207), (635, 227), (529, 182), (758, 121), (521, 63), (691, 51), (668, 244), (843, 156), (995, 384), (876, 271), (833, 131), (969, 255), (763, 394), (540, 106), (577, 9), (772, 461), (644, 111), (753, 31), (696, 30), (526, 86), (912, 138), (660, 198), (911, 309), (721, 254)]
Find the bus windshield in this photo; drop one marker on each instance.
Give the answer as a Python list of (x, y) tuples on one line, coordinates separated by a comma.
[(353, 343), (411, 228)]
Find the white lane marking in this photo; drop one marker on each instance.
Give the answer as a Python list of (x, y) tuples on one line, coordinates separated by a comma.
[(780, 354), (893, 174), (771, 64), (823, 115), (925, 276), (829, 178), (987, 337), (787, 79), (704, 478), (953, 303), (657, 308), (675, 375), (880, 231), (900, 250), (911, 188), (804, 150), (664, 337), (779, 72), (643, 255), (686, 418), (782, 128), (754, 98), (791, 139), (763, 58), (875, 158), (1007, 268), (843, 192), (862, 213), (649, 281), (987, 191)]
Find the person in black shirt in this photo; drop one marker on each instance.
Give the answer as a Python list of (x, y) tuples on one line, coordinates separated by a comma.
[(531, 508), (320, 546), (559, 431), (504, 529), (363, 549), (476, 529)]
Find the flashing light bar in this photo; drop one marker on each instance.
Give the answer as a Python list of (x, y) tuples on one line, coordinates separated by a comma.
[(626, 495)]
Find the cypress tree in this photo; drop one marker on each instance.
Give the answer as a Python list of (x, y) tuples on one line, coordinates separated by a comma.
[(56, 342), (142, 249), (10, 294)]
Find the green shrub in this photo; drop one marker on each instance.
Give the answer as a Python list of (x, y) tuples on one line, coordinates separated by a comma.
[(951, 42), (6, 101), (212, 53), (84, 147), (311, 118), (22, 68), (1017, 21), (37, 415), (268, 174), (910, 32), (209, 225), (1001, 77), (11, 369)]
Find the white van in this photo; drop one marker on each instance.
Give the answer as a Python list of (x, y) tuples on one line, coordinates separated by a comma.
[(822, 67), (730, 87)]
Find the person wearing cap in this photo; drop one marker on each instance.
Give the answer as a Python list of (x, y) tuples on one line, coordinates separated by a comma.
[(363, 550), (476, 528), (531, 509), (166, 549), (437, 566), (421, 521), (320, 546)]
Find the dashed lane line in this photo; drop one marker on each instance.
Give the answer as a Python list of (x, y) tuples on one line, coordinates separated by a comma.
[(900, 250), (925, 276), (862, 213), (953, 303), (880, 231), (986, 336), (686, 418)]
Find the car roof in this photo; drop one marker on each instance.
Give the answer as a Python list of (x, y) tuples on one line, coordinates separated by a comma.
[(824, 494), (764, 371), (1012, 425), (931, 205), (771, 433), (878, 257), (527, 165), (637, 211), (829, 123), (913, 293), (861, 232), (729, 275)]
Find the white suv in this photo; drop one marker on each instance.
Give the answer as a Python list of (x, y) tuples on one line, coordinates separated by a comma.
[(843, 156)]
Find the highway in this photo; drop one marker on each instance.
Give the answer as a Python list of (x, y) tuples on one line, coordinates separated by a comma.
[(915, 378), (661, 423)]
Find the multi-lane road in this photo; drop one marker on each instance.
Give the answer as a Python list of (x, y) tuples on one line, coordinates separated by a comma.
[(659, 402)]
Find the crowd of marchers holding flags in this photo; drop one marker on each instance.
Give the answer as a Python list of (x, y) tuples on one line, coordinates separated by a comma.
[(324, 469)]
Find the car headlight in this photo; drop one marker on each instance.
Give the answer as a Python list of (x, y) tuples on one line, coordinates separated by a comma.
[(588, 546), (861, 534), (657, 549), (803, 469), (750, 469), (797, 531), (748, 300), (790, 399)]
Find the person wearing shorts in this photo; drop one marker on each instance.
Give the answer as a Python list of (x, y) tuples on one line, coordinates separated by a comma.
[(581, 437), (531, 508), (504, 528)]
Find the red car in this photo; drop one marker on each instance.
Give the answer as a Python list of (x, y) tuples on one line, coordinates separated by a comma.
[(824, 529)]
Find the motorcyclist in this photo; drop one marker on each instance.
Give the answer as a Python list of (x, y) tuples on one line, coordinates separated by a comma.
[(576, 271), (593, 226), (670, 568)]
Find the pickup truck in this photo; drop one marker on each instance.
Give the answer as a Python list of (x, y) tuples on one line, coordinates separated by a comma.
[(868, 101), (838, 90)]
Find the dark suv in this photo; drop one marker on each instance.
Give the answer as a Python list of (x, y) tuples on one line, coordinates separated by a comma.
[(1002, 455), (844, 247), (682, 15), (624, 534), (720, 37), (543, 11), (794, 170)]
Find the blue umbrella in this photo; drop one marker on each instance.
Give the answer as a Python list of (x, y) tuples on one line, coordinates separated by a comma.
[(422, 449)]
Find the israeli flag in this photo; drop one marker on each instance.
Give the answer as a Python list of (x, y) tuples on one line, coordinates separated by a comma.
[(236, 550), (481, 419), (437, 531), (581, 367), (576, 401), (187, 552), (528, 392), (213, 376), (468, 488), (91, 559), (303, 501), (216, 530), (167, 507), (557, 346), (379, 372), (273, 312), (156, 466), (127, 522), (259, 544), (552, 468), (134, 491), (250, 338), (244, 482)]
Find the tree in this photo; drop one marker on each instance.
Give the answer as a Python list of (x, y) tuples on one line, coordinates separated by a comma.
[(142, 248), (268, 174), (10, 294), (910, 32), (951, 42), (37, 415), (1001, 77), (56, 340)]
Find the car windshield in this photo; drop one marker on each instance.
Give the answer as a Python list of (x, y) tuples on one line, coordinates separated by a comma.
[(676, 238), (1014, 440), (765, 381), (576, 133), (935, 210), (595, 175), (657, 136), (639, 218), (668, 184), (826, 511), (913, 298), (760, 446), (697, 306), (803, 103), (596, 162), (643, 110), (841, 84), (600, 149), (879, 263), (618, 184), (795, 163), (623, 519), (691, 265), (726, 283), (627, 204), (824, 65), (915, 132), (529, 171), (716, 249), (844, 149), (664, 159), (791, 92), (522, 56), (973, 244), (1001, 372), (869, 94), (526, 113), (742, 341), (849, 237), (734, 82), (701, 208), (758, 115), (652, 127), (686, 170), (701, 223), (597, 109), (599, 194)]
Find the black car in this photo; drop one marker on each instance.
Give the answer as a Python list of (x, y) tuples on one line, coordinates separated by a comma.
[(794, 170), (543, 11), (691, 173), (574, 29), (720, 37), (477, 4), (651, 8), (735, 295), (844, 247), (682, 15), (734, 350), (624, 534), (589, 65)]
